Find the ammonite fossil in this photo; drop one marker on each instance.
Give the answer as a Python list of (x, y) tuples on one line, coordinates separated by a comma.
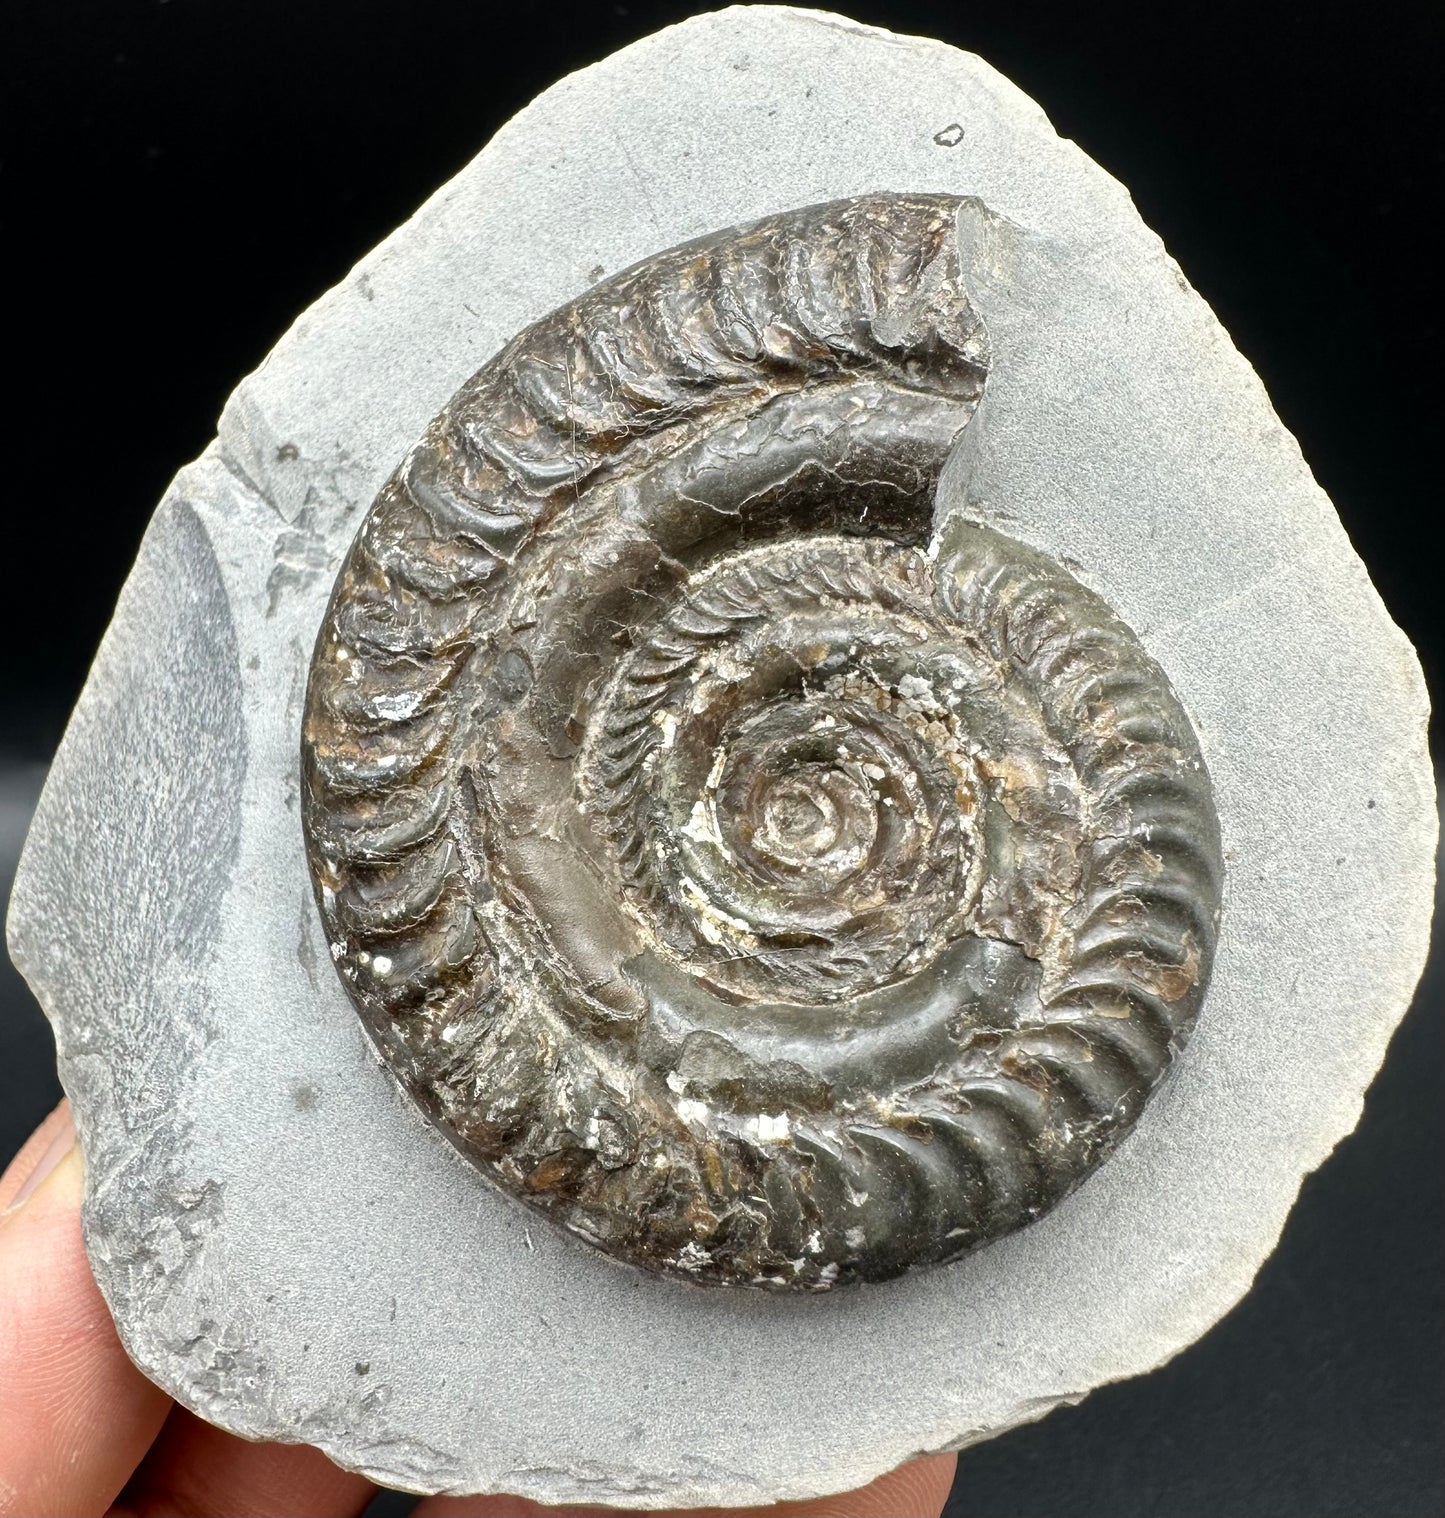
[(775, 884)]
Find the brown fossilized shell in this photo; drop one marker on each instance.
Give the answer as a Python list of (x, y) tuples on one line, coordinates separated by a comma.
[(774, 890)]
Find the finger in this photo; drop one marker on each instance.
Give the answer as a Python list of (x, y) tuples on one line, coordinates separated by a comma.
[(49, 1142), (196, 1471), (916, 1490), (75, 1414)]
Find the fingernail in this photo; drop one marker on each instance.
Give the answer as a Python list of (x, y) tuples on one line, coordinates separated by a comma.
[(51, 1156)]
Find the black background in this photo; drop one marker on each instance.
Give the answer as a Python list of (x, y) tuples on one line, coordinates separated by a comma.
[(181, 177)]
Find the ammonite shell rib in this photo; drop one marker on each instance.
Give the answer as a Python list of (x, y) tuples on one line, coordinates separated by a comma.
[(773, 890)]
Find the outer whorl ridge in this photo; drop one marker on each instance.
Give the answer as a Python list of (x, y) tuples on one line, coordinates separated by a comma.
[(773, 892)]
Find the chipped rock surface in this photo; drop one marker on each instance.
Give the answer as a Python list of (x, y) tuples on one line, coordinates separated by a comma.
[(285, 1242)]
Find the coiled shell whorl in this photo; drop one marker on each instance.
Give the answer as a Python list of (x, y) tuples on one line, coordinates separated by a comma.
[(774, 891)]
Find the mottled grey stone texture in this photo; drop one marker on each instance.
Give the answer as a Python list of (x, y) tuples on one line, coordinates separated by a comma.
[(289, 1247)]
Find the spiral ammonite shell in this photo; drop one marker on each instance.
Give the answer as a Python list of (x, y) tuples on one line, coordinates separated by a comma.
[(775, 886)]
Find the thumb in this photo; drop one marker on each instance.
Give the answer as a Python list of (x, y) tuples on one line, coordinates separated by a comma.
[(75, 1414)]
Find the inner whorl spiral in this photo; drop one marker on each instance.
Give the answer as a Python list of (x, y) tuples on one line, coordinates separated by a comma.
[(772, 889)]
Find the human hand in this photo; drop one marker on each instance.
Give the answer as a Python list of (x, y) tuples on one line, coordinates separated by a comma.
[(82, 1431)]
